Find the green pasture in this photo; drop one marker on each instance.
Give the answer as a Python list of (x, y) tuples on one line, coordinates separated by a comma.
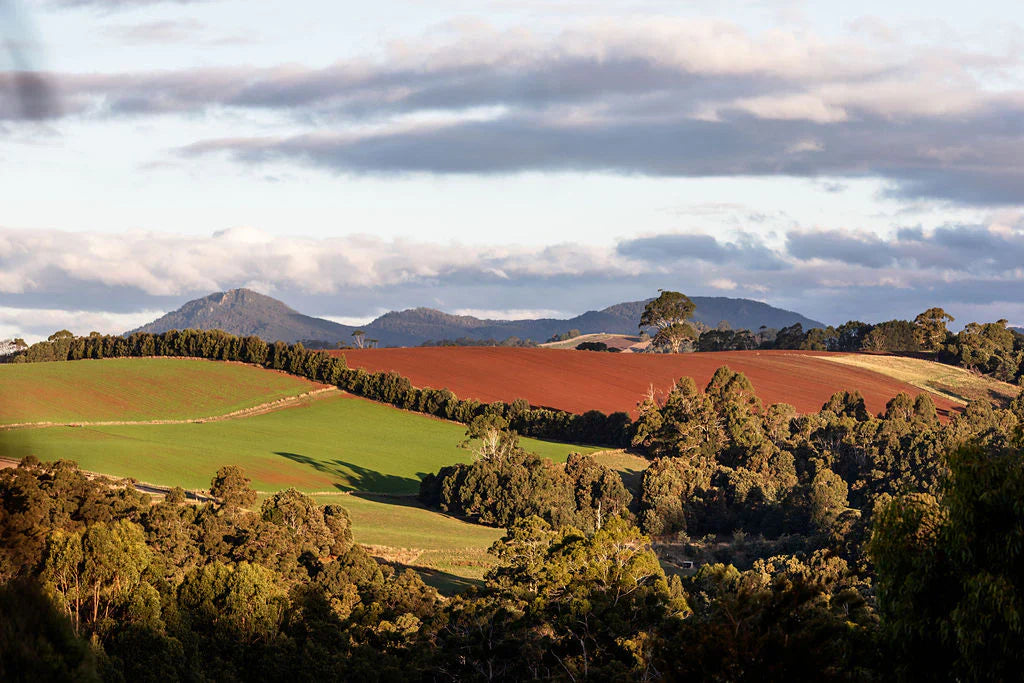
[(136, 389), (450, 553), (334, 443)]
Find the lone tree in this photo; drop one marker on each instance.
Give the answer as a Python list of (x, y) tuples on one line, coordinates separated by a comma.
[(494, 440), (668, 314), (930, 328), (360, 338)]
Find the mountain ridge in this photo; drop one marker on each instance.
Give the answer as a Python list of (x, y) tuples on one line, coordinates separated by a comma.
[(246, 312)]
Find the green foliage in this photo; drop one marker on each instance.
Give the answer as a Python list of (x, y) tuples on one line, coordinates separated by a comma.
[(786, 619), (951, 570), (37, 642), (503, 490), (894, 336), (595, 346), (930, 328), (726, 340), (668, 315), (232, 487)]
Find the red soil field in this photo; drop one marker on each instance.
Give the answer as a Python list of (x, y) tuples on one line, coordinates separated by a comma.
[(579, 381)]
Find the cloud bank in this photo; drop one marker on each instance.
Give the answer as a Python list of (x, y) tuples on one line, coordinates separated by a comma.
[(665, 97), (974, 271)]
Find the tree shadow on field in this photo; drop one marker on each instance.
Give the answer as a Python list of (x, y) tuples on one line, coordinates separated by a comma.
[(447, 584), (359, 478), (409, 500)]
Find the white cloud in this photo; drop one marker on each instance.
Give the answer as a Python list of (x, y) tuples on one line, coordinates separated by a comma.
[(513, 313), (52, 280), (35, 324)]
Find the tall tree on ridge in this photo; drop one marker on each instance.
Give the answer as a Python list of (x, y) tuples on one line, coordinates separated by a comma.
[(669, 313)]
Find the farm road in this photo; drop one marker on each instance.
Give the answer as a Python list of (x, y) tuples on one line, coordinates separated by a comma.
[(260, 409)]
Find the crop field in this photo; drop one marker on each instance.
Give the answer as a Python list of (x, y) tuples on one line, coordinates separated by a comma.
[(325, 444), (137, 389), (578, 381), (955, 384)]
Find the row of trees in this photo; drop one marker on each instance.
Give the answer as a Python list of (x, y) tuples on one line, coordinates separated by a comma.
[(512, 341), (990, 348)]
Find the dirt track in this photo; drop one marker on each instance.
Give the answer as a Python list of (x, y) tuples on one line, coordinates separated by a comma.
[(268, 407), (578, 381)]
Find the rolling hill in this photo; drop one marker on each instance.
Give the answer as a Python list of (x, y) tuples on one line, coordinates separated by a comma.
[(334, 443), (245, 312), (579, 381), (136, 389)]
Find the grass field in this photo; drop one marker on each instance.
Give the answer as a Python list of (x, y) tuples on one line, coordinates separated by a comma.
[(399, 530), (955, 384), (630, 467), (136, 389), (326, 444), (618, 341)]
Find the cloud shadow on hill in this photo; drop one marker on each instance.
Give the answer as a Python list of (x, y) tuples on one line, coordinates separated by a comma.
[(359, 478)]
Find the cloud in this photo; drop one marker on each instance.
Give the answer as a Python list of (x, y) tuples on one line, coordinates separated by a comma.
[(121, 4), (33, 325), (150, 32), (669, 248), (671, 97), (980, 250), (830, 275)]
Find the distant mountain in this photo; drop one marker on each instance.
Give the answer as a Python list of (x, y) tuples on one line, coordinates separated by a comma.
[(1018, 330), (244, 312)]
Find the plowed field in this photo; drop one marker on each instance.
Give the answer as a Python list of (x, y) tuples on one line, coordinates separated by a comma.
[(579, 381)]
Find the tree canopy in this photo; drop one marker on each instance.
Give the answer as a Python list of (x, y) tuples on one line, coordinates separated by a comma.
[(668, 315)]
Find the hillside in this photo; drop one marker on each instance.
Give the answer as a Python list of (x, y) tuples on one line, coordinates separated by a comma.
[(579, 381), (245, 312), (133, 389), (956, 384), (335, 443)]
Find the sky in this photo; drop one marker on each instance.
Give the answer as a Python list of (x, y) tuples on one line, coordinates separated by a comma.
[(509, 158)]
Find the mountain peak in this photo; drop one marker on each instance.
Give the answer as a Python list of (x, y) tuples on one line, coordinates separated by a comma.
[(247, 312)]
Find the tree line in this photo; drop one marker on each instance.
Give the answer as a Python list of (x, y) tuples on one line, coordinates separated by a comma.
[(989, 348)]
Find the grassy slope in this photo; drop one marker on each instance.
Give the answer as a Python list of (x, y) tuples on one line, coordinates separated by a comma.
[(399, 530), (330, 444), (134, 389), (954, 383), (619, 340)]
